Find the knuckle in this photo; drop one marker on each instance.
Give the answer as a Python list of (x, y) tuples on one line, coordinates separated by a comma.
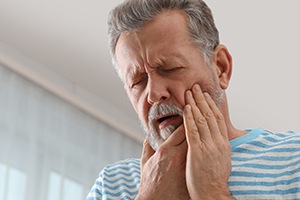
[(219, 118), (208, 114), (199, 101), (193, 135), (194, 129), (201, 121), (224, 146)]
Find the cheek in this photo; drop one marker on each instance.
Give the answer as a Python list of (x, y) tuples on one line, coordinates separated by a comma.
[(140, 106), (178, 93)]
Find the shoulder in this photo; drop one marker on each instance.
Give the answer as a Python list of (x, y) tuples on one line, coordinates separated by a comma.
[(289, 138), (261, 137), (126, 164), (125, 168), (261, 142), (117, 181)]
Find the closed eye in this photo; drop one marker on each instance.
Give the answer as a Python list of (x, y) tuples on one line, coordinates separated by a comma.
[(170, 70), (139, 82)]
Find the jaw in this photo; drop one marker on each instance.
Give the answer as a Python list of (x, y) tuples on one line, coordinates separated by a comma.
[(157, 138)]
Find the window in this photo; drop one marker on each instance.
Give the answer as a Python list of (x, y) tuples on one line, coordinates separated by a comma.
[(61, 188), (12, 183)]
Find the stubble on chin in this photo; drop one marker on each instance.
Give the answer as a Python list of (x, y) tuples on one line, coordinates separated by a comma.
[(156, 139), (155, 135)]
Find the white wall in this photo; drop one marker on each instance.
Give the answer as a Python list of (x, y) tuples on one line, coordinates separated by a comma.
[(263, 38)]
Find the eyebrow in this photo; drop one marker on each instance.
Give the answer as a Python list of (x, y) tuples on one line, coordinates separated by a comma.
[(134, 70), (131, 73)]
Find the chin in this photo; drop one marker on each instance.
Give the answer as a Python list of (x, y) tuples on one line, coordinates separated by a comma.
[(156, 139)]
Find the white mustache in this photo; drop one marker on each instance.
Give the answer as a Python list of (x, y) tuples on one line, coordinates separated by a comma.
[(162, 109)]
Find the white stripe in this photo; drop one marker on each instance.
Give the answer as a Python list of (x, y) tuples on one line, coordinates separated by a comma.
[(120, 170), (265, 188), (262, 153), (114, 184), (265, 171), (266, 162), (272, 146), (267, 197), (257, 179)]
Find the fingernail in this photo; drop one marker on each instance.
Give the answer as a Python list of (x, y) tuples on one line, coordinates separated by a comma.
[(187, 108), (146, 141), (189, 93), (197, 88), (206, 94)]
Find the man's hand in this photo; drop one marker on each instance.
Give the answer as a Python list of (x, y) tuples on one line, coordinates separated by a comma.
[(163, 171), (208, 163)]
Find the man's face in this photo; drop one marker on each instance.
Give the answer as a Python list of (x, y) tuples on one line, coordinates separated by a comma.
[(158, 64)]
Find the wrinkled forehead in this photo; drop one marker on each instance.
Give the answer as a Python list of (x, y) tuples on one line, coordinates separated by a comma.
[(127, 53), (157, 35)]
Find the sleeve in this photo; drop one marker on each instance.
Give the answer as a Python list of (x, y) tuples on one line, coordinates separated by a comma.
[(96, 191)]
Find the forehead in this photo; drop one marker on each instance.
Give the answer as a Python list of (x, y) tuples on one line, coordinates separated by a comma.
[(159, 39)]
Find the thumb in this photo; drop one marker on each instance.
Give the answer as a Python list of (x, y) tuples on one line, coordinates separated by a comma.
[(177, 137), (146, 153)]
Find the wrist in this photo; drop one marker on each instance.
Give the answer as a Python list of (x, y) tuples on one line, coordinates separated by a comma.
[(213, 195)]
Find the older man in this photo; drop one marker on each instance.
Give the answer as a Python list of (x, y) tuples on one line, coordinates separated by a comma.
[(175, 72)]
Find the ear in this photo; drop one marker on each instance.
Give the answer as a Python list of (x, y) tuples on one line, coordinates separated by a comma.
[(223, 62)]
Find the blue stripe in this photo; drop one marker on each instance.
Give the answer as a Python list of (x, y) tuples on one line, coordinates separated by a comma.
[(126, 198), (98, 182), (96, 190), (121, 185), (267, 158), (119, 193), (92, 198), (265, 166), (264, 192), (121, 173), (251, 135), (278, 150), (287, 134), (123, 198), (263, 145), (124, 166), (263, 183), (135, 179), (264, 175), (272, 139)]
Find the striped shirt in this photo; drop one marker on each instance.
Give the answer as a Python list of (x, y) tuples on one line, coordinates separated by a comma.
[(265, 165)]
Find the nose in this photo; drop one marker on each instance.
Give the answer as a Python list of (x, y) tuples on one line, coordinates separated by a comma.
[(157, 89)]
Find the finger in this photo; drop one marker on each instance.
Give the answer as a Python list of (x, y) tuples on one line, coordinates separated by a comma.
[(218, 116), (176, 138), (191, 130), (199, 119), (206, 111), (146, 153)]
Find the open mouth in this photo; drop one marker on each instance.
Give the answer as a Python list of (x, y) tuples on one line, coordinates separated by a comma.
[(160, 120), (166, 120)]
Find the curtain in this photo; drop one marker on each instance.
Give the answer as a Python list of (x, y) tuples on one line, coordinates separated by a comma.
[(50, 149)]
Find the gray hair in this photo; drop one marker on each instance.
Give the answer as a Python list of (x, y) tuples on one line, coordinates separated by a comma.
[(132, 14)]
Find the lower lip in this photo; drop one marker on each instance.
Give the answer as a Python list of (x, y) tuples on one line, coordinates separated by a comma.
[(175, 120)]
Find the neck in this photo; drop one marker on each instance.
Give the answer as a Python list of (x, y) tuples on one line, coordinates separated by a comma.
[(231, 130)]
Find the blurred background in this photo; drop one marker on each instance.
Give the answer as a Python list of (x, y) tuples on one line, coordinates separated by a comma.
[(64, 114)]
